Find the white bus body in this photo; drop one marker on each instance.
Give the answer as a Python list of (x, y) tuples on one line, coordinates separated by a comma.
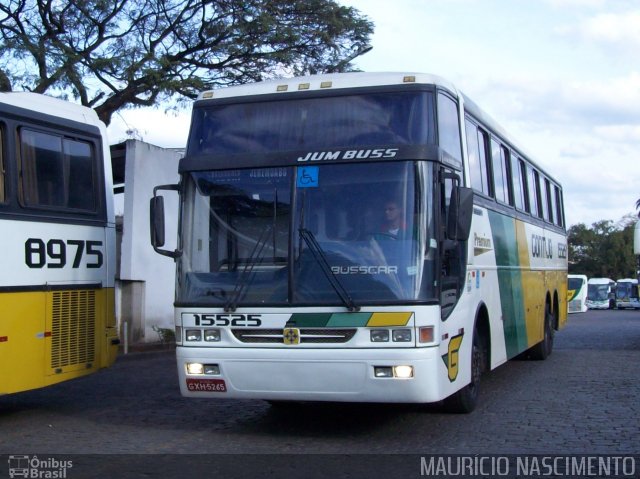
[(601, 293), (577, 293), (297, 281), (627, 294)]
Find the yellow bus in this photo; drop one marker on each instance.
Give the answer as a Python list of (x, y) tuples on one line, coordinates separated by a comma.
[(57, 318), (359, 237)]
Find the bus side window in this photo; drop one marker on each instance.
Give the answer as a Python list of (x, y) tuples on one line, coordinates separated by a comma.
[(533, 188), (449, 127), (499, 162), (558, 203), (518, 184), (57, 172), (477, 168), (3, 195), (485, 160), (551, 215), (542, 201)]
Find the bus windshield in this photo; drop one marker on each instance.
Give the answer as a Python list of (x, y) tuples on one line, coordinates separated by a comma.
[(398, 118), (576, 283), (598, 292), (309, 235)]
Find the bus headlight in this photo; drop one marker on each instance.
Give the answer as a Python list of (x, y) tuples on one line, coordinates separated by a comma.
[(402, 335), (211, 335), (193, 335), (379, 335), (195, 368), (403, 372)]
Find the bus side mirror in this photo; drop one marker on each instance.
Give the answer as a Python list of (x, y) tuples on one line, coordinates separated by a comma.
[(157, 222), (460, 213), (156, 226)]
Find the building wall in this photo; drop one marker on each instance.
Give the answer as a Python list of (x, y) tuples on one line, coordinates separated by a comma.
[(146, 279)]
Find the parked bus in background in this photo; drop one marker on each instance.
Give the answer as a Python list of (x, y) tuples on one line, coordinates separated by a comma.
[(57, 245), (359, 237), (601, 293), (627, 294), (577, 293)]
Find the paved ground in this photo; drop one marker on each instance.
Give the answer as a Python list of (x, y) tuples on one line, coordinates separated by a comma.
[(585, 399)]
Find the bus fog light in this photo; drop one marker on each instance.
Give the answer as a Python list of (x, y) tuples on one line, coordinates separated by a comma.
[(195, 368), (193, 335), (383, 371), (402, 335), (379, 335), (212, 370), (426, 334), (403, 372), (212, 335)]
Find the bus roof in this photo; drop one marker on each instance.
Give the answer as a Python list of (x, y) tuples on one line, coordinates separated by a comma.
[(51, 106), (327, 81)]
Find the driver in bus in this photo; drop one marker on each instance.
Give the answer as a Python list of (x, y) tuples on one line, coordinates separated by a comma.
[(394, 226)]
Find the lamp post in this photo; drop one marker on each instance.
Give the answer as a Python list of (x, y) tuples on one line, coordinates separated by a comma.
[(636, 248), (360, 51)]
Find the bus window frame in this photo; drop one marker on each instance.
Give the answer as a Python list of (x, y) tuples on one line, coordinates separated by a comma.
[(3, 167), (99, 210)]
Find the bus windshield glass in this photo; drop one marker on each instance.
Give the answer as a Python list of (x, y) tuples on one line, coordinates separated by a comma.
[(397, 118), (598, 292), (576, 283), (309, 235)]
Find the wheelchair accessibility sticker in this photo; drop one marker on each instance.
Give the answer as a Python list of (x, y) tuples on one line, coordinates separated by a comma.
[(307, 177)]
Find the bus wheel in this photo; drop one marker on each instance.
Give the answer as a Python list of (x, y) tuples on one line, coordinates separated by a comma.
[(465, 400), (543, 349)]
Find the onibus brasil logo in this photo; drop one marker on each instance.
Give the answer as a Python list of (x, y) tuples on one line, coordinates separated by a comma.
[(34, 467)]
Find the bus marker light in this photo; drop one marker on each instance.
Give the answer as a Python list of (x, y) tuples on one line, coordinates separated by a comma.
[(401, 335), (379, 335), (426, 334), (383, 371), (403, 372), (195, 368)]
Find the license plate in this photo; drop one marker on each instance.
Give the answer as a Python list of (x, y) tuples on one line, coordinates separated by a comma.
[(206, 385)]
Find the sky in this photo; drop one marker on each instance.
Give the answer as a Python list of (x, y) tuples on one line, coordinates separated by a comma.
[(561, 76)]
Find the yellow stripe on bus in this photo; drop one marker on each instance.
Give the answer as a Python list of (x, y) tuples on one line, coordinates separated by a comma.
[(389, 319)]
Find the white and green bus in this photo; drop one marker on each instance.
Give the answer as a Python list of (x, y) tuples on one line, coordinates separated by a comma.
[(359, 237), (577, 293)]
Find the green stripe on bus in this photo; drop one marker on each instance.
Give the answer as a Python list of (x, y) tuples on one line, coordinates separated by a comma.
[(310, 320), (339, 320), (510, 282)]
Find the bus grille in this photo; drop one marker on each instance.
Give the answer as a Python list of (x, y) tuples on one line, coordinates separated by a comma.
[(575, 306), (307, 336), (73, 328)]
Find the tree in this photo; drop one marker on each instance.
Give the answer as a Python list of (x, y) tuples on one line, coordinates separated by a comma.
[(603, 250), (111, 54)]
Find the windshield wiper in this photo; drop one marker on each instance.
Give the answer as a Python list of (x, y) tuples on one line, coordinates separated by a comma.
[(321, 259), (245, 276)]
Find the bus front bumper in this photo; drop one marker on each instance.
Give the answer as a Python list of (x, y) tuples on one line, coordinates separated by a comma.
[(345, 375)]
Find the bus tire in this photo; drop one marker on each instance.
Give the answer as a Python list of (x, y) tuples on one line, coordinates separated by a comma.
[(543, 349), (465, 400)]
